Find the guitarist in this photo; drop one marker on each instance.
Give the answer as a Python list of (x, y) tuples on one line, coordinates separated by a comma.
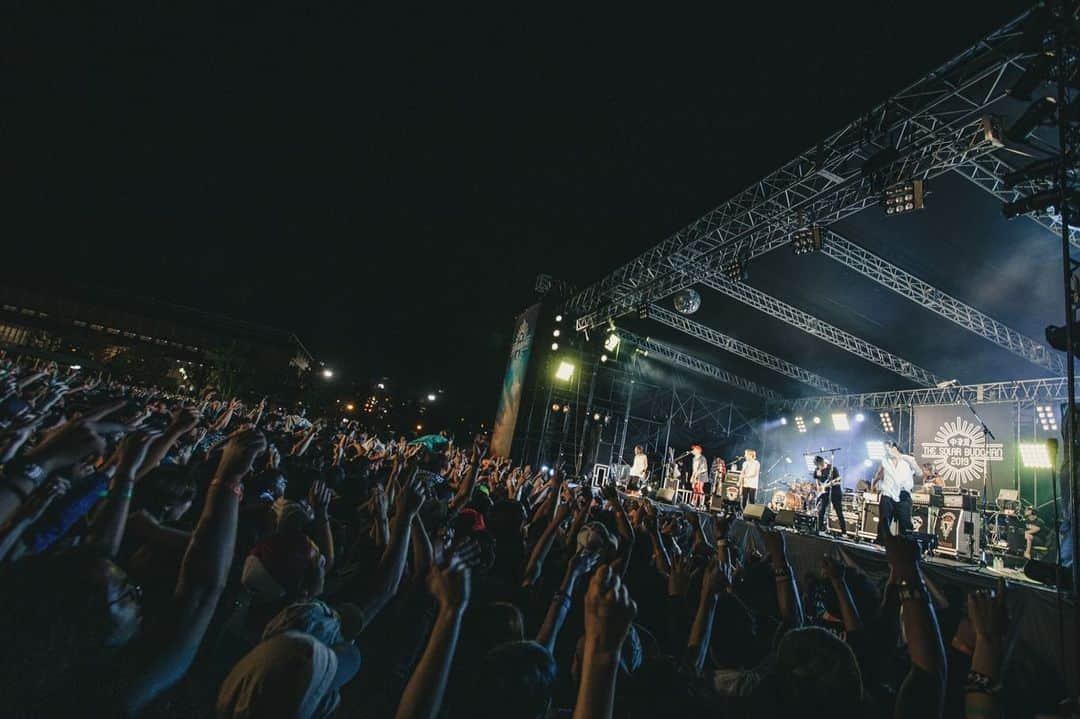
[(828, 479)]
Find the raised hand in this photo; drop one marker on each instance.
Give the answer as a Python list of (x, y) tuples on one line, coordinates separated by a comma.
[(185, 419), (582, 563), (903, 556), (379, 502), (131, 453), (988, 614), (73, 442), (40, 499), (679, 577), (609, 611), (831, 569), (319, 497), (411, 497), (774, 546), (717, 578), (450, 585), (240, 452)]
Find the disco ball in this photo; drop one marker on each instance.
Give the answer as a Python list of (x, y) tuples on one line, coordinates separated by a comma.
[(687, 302)]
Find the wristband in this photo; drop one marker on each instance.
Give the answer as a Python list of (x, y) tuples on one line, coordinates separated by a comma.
[(980, 683), (911, 590)]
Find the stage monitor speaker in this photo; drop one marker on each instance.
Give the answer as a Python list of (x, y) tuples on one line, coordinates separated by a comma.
[(758, 513), (665, 495), (785, 518), (717, 503)]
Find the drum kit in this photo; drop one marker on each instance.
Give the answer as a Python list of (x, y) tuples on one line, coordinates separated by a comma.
[(793, 493)]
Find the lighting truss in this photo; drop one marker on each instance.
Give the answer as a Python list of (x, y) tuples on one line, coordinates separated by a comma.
[(823, 330), (886, 421), (807, 240), (1046, 418), (734, 346), (933, 125), (904, 197), (907, 285), (693, 363), (1029, 390)]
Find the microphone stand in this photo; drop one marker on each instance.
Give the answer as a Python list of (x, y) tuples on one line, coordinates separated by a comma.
[(987, 475)]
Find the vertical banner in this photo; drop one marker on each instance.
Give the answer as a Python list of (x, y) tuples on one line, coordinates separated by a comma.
[(502, 433), (952, 441)]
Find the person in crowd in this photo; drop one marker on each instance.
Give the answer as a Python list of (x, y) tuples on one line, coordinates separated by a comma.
[(168, 555)]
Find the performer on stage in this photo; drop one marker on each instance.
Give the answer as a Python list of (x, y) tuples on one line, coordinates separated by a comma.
[(719, 471), (699, 474), (748, 481), (638, 469), (897, 480), (830, 492)]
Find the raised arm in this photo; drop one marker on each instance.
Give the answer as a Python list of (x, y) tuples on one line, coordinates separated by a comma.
[(787, 591), (184, 421), (609, 611), (578, 566), (988, 615), (714, 582), (107, 529), (833, 571), (540, 551)]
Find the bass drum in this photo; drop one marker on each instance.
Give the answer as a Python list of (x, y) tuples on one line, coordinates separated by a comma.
[(779, 500), (794, 501)]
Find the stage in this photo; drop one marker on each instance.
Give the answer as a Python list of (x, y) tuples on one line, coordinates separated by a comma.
[(1035, 639)]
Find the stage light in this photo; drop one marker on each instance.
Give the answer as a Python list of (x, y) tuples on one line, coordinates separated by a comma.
[(555, 333), (904, 197), (860, 417), (558, 318), (875, 449), (565, 408), (596, 416), (783, 420), (612, 342), (1040, 112), (808, 460), (867, 463), (551, 472), (544, 468), (787, 460), (803, 242), (556, 407), (431, 398), (381, 385), (77, 367), (1035, 455), (603, 358), (327, 373), (554, 346), (1047, 418), (886, 421), (419, 427), (565, 371), (840, 422), (817, 420), (800, 424), (735, 271)]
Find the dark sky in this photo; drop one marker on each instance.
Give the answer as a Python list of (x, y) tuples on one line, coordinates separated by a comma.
[(387, 182)]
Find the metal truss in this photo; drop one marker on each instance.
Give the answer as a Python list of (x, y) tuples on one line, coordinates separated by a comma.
[(693, 363), (736, 347), (986, 172), (907, 285), (929, 128), (822, 330), (1029, 390)]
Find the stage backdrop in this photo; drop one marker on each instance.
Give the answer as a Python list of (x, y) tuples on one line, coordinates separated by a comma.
[(952, 440), (502, 433)]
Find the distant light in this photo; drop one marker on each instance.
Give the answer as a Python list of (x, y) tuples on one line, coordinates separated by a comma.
[(875, 449), (596, 416), (565, 408), (431, 398), (556, 407), (787, 460), (554, 346), (381, 386), (565, 371), (886, 421), (551, 472), (860, 417), (612, 342), (800, 424), (558, 318), (1035, 455), (868, 463), (603, 358), (79, 367), (817, 420), (840, 421), (1047, 420), (783, 420), (327, 373), (419, 427), (544, 468), (350, 407), (555, 332)]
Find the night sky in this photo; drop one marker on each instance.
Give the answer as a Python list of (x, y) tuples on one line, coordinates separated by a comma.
[(387, 182)]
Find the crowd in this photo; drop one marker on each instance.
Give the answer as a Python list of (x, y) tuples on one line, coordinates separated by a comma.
[(165, 557)]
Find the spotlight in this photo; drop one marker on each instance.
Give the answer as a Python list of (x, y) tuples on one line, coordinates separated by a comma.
[(350, 407), (431, 398), (554, 346), (886, 421), (551, 472), (803, 242), (735, 271), (603, 358), (817, 420), (800, 424), (875, 449), (612, 342), (787, 460), (556, 407), (1035, 455), (783, 420), (1047, 418), (840, 422), (565, 371), (596, 416), (558, 318), (555, 333), (1040, 112), (381, 385), (565, 408), (904, 197), (860, 417), (544, 468), (419, 427), (77, 367), (327, 373)]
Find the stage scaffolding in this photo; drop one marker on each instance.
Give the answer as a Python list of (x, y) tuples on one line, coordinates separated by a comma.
[(613, 406)]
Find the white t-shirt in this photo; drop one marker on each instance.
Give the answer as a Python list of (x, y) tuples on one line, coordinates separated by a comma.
[(899, 477), (750, 470), (641, 463)]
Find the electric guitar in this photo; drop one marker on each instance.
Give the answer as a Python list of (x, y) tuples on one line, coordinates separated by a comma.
[(824, 487)]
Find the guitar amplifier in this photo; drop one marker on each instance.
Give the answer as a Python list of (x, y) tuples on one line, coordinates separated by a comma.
[(921, 518), (871, 498), (871, 515), (805, 522), (958, 531), (969, 502), (851, 519), (920, 499)]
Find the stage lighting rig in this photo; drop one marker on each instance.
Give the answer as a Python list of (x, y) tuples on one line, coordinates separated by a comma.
[(1045, 201), (904, 197), (735, 271), (612, 342), (805, 241), (1040, 112), (800, 424)]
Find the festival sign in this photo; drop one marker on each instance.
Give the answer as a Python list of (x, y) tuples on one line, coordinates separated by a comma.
[(954, 443), (502, 434)]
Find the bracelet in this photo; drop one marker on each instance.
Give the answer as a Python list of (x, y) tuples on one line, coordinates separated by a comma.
[(911, 590), (980, 683)]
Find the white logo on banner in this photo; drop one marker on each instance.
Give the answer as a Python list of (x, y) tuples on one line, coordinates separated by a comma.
[(960, 452)]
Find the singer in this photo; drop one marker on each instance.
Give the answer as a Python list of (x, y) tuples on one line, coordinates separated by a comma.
[(748, 482), (699, 475)]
